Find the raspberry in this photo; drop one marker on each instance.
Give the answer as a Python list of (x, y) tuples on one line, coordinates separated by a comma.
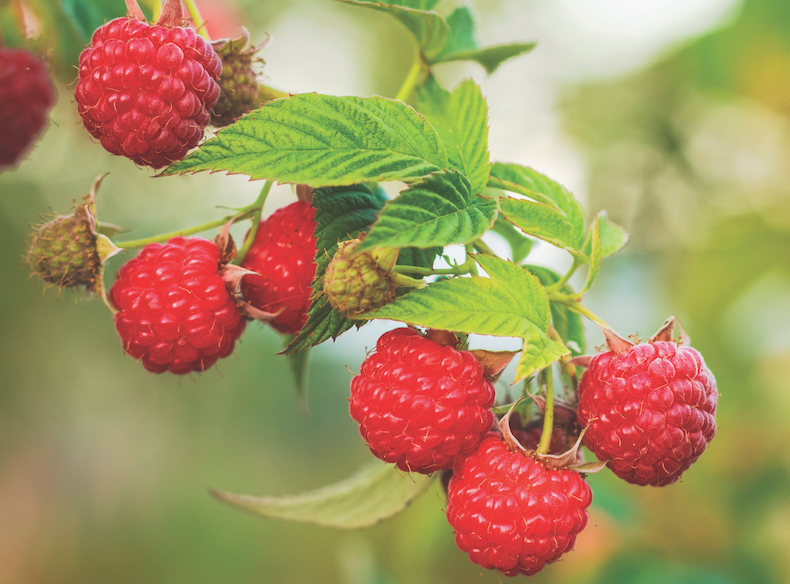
[(283, 255), (238, 82), (174, 309), (63, 251), (529, 438), (419, 404), (146, 90), (649, 409), (26, 95), (357, 284), (511, 513)]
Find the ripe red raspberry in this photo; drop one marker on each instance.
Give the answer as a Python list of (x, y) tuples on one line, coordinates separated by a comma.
[(421, 405), (283, 255), (146, 91), (174, 309), (529, 438), (511, 513), (649, 409), (26, 95)]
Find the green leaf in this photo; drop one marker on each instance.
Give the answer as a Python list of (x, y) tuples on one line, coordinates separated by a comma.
[(324, 140), (416, 4), (613, 237), (538, 353), (566, 322), (462, 45), (438, 211), (520, 244), (428, 28), (545, 188), (85, 16), (509, 303), (422, 258), (595, 256), (543, 221), (377, 492), (462, 33), (461, 119), (341, 213), (468, 111), (490, 57)]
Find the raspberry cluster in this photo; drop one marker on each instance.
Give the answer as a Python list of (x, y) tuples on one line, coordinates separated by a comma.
[(646, 410)]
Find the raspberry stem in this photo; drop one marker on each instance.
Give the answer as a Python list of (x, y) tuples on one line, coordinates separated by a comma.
[(156, 10), (573, 303), (241, 214), (468, 267), (418, 69), (197, 19), (560, 284), (256, 221), (482, 247), (548, 414)]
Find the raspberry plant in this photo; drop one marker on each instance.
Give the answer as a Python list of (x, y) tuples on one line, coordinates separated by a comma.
[(346, 253)]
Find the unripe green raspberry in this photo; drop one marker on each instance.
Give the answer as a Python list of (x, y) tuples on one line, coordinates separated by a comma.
[(238, 82), (358, 284), (63, 251)]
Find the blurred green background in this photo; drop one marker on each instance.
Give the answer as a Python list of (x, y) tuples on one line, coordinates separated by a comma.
[(672, 115)]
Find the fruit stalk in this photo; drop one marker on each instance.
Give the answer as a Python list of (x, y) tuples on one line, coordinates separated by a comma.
[(256, 221), (197, 19), (548, 414), (244, 213), (417, 71)]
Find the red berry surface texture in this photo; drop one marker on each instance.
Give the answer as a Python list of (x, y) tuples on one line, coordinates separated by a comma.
[(146, 91), (648, 410), (511, 513), (174, 309), (283, 255), (26, 95), (419, 404)]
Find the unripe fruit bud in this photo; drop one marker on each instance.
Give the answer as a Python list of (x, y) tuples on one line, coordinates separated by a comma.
[(63, 251), (357, 284), (238, 82)]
